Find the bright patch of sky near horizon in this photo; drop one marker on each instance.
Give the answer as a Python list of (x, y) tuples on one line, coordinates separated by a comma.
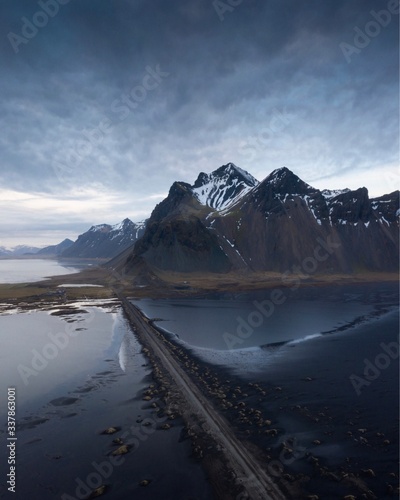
[(267, 86)]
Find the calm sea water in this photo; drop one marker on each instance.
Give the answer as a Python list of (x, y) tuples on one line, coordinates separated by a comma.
[(30, 270), (74, 376), (252, 319)]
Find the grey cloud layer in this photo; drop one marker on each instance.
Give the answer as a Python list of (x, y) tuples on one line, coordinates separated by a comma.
[(227, 80)]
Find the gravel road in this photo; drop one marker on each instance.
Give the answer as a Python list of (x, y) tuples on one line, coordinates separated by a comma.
[(255, 480)]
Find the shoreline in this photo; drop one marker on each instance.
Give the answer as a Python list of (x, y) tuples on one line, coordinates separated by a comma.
[(61, 431), (174, 285), (274, 416), (211, 435), (249, 406)]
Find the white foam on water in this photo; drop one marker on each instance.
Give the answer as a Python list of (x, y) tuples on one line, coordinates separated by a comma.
[(304, 339)]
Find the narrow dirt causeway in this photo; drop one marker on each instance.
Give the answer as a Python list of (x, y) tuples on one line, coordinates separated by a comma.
[(254, 479)]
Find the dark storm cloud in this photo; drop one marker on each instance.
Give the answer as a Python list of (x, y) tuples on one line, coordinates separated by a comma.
[(228, 81)]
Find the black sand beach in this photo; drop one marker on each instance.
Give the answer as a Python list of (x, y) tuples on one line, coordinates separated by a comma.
[(323, 419)]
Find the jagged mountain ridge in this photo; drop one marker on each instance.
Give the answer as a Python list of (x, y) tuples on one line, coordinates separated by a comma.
[(282, 220), (268, 226), (105, 241)]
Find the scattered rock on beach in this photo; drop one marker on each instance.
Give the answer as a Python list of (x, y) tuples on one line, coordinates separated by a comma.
[(98, 491), (122, 450), (145, 482), (110, 430)]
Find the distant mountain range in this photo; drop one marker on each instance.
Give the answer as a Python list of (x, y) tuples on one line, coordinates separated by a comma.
[(228, 221), (102, 241), (18, 251), (105, 241)]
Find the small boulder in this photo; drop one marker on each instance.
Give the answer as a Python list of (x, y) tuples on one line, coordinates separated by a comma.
[(98, 491), (110, 430), (122, 450)]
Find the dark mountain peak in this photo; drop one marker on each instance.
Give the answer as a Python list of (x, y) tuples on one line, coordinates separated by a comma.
[(127, 222), (202, 179), (226, 173), (360, 194), (387, 198), (350, 206), (284, 181), (179, 188), (179, 191), (56, 249), (230, 170), (386, 208), (280, 172), (223, 186)]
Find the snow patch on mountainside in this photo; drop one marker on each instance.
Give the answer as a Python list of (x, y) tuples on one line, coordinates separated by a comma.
[(331, 193), (223, 187)]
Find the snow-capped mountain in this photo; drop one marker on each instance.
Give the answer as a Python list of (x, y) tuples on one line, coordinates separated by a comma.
[(105, 240), (18, 251), (223, 187), (229, 221)]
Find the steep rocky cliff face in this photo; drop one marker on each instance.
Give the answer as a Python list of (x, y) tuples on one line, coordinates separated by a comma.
[(282, 221), (176, 237), (228, 220)]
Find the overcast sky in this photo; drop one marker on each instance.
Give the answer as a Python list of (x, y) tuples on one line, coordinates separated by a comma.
[(166, 89)]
